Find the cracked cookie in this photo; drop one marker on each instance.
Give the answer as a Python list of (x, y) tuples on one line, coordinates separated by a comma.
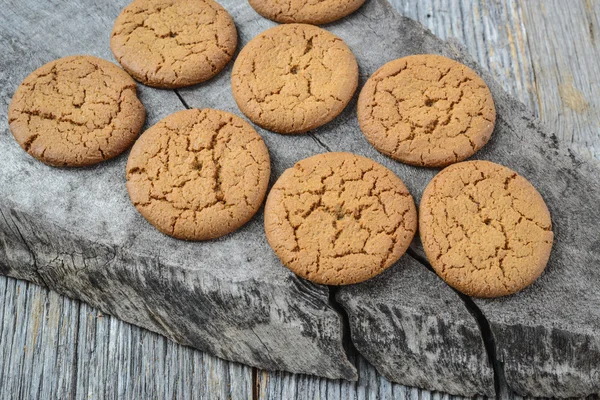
[(305, 11), (76, 111), (173, 43), (294, 78), (198, 174), (426, 110), (338, 218), (485, 229)]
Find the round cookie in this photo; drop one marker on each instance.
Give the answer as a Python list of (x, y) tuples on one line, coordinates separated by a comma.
[(485, 229), (173, 43), (294, 78), (426, 110), (198, 174), (305, 11), (76, 111), (338, 218)]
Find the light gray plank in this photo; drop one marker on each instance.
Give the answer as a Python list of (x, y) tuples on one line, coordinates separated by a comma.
[(52, 347), (564, 42), (36, 341), (370, 386), (119, 360)]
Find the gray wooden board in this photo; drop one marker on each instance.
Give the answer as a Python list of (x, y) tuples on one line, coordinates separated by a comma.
[(518, 80), (77, 232), (496, 33), (564, 44), (56, 348), (370, 386), (415, 342), (365, 32), (547, 337)]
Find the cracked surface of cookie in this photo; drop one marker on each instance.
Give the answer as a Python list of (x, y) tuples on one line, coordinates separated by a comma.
[(485, 229), (426, 110), (338, 218), (198, 174), (173, 43), (294, 78), (76, 111), (305, 11)]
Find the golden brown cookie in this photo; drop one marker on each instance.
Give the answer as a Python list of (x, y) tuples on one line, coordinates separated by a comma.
[(338, 218), (198, 174), (485, 229), (305, 11), (294, 78), (76, 111), (173, 43), (426, 110)]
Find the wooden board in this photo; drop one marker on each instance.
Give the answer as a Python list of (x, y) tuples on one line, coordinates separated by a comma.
[(78, 234), (512, 67), (558, 315), (56, 348)]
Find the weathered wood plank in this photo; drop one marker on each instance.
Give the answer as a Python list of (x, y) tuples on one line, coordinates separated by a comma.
[(374, 23), (571, 190), (438, 8), (52, 347), (118, 360), (35, 342), (564, 43), (370, 386), (494, 34), (230, 297)]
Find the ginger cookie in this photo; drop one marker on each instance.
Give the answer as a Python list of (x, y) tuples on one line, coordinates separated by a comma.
[(173, 43), (485, 229), (294, 78), (76, 111), (338, 218), (305, 11), (198, 174), (426, 110)]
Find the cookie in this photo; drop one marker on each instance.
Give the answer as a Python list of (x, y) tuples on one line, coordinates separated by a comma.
[(294, 78), (305, 11), (76, 111), (173, 43), (338, 218), (198, 174), (426, 110), (485, 229)]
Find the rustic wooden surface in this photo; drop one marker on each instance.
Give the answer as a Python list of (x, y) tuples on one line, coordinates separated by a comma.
[(545, 53)]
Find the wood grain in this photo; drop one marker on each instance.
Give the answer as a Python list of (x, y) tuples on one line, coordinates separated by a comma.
[(543, 52), (496, 35), (564, 51), (52, 347), (228, 297)]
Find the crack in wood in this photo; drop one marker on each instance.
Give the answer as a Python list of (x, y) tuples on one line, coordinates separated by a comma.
[(484, 325), (181, 99)]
